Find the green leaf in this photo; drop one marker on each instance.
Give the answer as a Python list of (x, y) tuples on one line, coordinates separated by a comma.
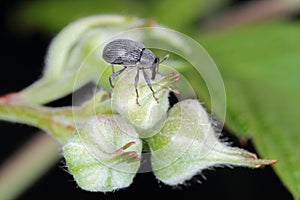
[(260, 67), (52, 15), (184, 14)]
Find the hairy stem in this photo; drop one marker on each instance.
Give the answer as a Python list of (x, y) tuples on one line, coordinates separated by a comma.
[(60, 122)]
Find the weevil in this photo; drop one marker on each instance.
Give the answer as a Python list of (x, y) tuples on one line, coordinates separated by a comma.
[(129, 53)]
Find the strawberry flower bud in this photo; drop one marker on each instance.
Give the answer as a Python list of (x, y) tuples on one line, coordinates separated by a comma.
[(104, 153), (187, 144), (147, 112)]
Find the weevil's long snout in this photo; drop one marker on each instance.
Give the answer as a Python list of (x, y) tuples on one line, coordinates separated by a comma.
[(155, 65), (155, 68)]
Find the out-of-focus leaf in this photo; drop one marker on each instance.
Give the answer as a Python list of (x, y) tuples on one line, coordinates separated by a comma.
[(53, 15), (184, 14), (260, 65)]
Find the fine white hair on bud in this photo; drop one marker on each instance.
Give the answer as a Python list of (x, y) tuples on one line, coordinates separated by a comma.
[(149, 115), (188, 144), (103, 154)]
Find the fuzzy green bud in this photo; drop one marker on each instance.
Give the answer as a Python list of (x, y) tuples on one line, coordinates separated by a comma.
[(147, 111), (103, 154), (187, 144)]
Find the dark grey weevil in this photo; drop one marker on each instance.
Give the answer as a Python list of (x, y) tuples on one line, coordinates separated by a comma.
[(128, 53)]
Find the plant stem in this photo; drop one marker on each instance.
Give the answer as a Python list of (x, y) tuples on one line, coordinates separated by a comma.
[(60, 122), (27, 165), (61, 127)]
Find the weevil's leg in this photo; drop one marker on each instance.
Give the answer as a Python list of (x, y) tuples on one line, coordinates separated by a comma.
[(112, 68), (147, 79), (114, 75), (136, 81), (154, 71), (110, 79)]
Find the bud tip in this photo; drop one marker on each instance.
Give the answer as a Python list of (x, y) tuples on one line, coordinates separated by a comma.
[(10, 97), (134, 155)]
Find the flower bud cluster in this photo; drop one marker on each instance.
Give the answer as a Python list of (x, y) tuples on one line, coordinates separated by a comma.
[(104, 153)]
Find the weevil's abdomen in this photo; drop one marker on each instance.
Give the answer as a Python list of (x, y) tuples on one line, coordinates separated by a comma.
[(123, 52)]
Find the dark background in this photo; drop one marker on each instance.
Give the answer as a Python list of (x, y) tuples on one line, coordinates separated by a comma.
[(21, 64)]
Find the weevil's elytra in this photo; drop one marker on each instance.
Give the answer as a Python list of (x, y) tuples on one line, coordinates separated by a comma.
[(129, 53)]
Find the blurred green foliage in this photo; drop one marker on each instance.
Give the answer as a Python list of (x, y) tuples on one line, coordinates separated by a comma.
[(53, 15), (260, 65)]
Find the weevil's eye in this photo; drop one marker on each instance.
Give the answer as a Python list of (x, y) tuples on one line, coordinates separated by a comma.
[(156, 60)]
